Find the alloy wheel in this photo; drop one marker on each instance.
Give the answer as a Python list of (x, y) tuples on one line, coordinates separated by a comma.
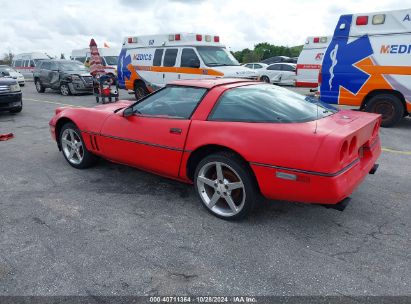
[(221, 189), (72, 146)]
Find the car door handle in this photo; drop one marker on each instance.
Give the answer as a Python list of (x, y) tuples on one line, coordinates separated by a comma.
[(175, 131)]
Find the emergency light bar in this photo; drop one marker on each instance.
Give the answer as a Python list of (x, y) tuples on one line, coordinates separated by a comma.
[(132, 39)]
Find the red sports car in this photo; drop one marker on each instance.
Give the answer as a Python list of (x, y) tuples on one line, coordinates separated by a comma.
[(234, 139)]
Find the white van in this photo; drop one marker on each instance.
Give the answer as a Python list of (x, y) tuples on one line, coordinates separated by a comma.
[(368, 64), (108, 56), (310, 60), (26, 62), (147, 63)]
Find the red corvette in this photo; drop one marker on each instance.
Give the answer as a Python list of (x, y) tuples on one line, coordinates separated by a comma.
[(234, 139)]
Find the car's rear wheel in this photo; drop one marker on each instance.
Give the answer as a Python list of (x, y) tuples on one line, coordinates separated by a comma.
[(39, 87), (140, 90), (65, 89), (74, 149), (265, 79), (225, 186), (389, 106)]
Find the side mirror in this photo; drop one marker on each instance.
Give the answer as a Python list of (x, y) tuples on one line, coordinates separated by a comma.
[(128, 112)]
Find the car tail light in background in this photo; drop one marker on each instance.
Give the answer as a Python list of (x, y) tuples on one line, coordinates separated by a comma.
[(316, 39), (216, 39), (361, 20), (199, 37), (378, 19)]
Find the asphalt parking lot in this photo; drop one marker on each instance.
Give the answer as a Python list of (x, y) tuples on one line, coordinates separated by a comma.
[(114, 230)]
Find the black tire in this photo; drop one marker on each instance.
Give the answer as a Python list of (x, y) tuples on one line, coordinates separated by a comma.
[(65, 89), (389, 106), (39, 87), (88, 159), (265, 79), (140, 90), (235, 170), (17, 110)]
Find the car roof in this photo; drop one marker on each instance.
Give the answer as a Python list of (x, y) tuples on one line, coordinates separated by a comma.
[(287, 63), (210, 82)]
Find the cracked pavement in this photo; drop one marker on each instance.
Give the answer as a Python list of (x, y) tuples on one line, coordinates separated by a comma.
[(114, 230)]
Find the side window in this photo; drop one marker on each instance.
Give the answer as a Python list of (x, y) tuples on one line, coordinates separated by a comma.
[(189, 59), (173, 102), (53, 66), (257, 66), (158, 54), (26, 63), (32, 65), (274, 67), (170, 57), (287, 67), (250, 66), (45, 65), (18, 63)]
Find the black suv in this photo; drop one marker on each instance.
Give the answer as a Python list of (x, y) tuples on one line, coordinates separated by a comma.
[(67, 76)]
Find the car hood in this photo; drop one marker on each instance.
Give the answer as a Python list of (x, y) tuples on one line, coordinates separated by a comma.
[(236, 71), (15, 74)]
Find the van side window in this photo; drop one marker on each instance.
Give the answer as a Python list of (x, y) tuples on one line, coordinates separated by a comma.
[(158, 54), (189, 58), (18, 63), (170, 57)]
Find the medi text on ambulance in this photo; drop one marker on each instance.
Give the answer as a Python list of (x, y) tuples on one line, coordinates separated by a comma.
[(147, 63), (368, 64)]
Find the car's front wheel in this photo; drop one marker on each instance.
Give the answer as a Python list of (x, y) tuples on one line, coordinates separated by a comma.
[(65, 89), (39, 87), (225, 186), (74, 149)]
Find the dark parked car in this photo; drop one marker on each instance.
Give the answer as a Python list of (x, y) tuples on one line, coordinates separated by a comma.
[(67, 76), (10, 94)]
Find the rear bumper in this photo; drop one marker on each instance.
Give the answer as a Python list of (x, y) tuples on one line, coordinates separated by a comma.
[(278, 183)]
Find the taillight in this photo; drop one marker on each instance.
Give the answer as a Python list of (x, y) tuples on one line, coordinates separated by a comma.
[(362, 20), (199, 37)]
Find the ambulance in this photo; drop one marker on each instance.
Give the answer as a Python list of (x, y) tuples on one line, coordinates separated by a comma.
[(368, 64), (109, 58), (25, 63), (147, 63), (310, 60)]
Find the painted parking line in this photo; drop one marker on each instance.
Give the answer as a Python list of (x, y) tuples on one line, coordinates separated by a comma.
[(396, 151), (52, 102)]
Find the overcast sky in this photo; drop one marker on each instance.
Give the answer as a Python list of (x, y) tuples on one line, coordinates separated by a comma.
[(59, 26)]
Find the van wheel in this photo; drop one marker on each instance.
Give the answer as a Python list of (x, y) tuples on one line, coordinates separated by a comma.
[(225, 186), (140, 90), (39, 86), (389, 106)]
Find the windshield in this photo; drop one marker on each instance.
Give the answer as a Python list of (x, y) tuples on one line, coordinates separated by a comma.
[(72, 66), (268, 103), (111, 60), (7, 69), (216, 56)]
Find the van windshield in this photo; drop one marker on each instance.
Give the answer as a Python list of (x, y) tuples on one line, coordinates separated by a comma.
[(216, 56)]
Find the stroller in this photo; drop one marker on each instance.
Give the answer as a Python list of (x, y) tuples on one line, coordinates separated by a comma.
[(106, 87)]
